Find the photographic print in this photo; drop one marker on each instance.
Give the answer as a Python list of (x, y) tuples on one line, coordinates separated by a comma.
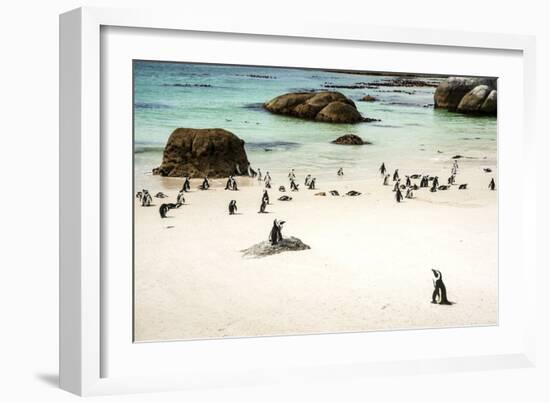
[(273, 201)]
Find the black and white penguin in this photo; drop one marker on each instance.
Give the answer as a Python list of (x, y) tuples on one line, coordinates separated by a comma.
[(492, 184), (268, 184), (382, 169), (186, 185), (285, 198), (353, 193), (232, 207), (180, 199), (463, 186), (265, 197), (165, 207), (293, 186), (229, 183), (160, 195), (282, 189), (407, 181), (263, 206), (306, 181), (396, 175), (146, 198), (340, 172), (409, 194), (276, 234), (439, 296), (291, 175), (398, 196), (312, 184), (386, 180), (260, 175), (396, 186), (443, 187), (205, 184), (139, 195), (334, 193)]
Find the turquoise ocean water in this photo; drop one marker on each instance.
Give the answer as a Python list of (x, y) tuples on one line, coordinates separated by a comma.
[(171, 95)]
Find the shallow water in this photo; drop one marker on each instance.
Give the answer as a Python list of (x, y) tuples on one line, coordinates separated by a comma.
[(171, 95)]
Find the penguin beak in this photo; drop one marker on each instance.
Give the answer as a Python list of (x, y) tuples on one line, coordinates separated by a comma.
[(433, 271), (282, 222)]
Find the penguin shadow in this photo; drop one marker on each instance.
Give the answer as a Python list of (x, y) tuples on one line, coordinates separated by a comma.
[(265, 212), (237, 214)]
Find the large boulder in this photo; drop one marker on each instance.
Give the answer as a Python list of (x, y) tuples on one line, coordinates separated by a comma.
[(215, 153), (350, 139), (466, 95), (326, 106)]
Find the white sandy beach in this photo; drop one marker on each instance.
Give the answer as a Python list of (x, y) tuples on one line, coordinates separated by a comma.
[(368, 267)]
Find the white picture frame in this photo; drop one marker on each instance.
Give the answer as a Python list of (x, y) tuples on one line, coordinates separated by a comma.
[(83, 307)]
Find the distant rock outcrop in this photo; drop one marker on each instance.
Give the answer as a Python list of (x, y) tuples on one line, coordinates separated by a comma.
[(327, 106), (215, 153), (265, 248), (369, 98), (350, 139), (467, 95)]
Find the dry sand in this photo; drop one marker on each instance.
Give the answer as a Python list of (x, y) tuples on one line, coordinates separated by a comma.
[(368, 267)]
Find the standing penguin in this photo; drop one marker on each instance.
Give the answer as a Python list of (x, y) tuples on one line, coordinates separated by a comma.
[(382, 169), (440, 291), (229, 183), (396, 175), (262, 206), (186, 185), (205, 184), (436, 181), (180, 199), (407, 181), (340, 172), (386, 179), (146, 198), (308, 178), (268, 184), (291, 174), (265, 197), (259, 174), (293, 186), (409, 194), (276, 235), (312, 184), (398, 196), (232, 207), (492, 184), (396, 186)]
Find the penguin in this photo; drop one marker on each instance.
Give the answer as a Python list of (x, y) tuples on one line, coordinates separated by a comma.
[(291, 174), (139, 195), (265, 197), (293, 186), (340, 172), (407, 181), (436, 181), (353, 193), (415, 187), (259, 174), (396, 175), (306, 181), (234, 184), (463, 186), (186, 185), (267, 177), (276, 235), (160, 195), (396, 186), (334, 193), (282, 189), (146, 199), (180, 199), (268, 184), (165, 207), (415, 176), (443, 187), (205, 184), (433, 188), (492, 184), (487, 170), (386, 179), (232, 207), (262, 206), (229, 183), (312, 184), (285, 198), (409, 194), (398, 196), (251, 172), (451, 180), (382, 169), (440, 291)]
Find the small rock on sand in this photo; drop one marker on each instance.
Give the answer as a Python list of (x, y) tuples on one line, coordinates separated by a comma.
[(265, 248)]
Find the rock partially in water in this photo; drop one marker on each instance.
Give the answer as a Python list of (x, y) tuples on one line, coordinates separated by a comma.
[(350, 139), (265, 248), (326, 106), (369, 98), (469, 95)]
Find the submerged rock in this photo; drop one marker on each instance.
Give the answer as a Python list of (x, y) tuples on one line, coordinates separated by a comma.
[(265, 248), (216, 153), (350, 139), (326, 106)]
